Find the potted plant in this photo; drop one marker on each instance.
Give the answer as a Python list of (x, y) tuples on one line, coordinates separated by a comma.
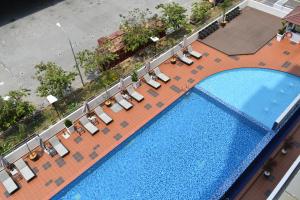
[(69, 125), (288, 144), (135, 80), (224, 6), (268, 167), (281, 32), (173, 59)]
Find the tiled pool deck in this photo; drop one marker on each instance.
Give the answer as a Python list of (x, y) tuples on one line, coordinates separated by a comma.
[(54, 173)]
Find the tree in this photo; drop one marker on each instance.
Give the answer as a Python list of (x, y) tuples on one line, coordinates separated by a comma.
[(200, 11), (136, 29), (224, 6), (53, 79), (98, 60), (173, 15), (14, 108)]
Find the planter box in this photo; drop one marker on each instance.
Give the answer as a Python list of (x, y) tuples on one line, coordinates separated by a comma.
[(279, 37), (137, 84), (71, 129)]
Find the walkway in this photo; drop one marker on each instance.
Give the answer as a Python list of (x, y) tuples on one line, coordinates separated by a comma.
[(55, 173)]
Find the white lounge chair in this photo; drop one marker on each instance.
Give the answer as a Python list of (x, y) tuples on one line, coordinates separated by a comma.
[(123, 102), (102, 115), (193, 53), (92, 129), (184, 59), (26, 172), (58, 146), (134, 94), (8, 182), (161, 75), (151, 82)]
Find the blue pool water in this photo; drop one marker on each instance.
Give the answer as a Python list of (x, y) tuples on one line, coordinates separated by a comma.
[(262, 94), (188, 152)]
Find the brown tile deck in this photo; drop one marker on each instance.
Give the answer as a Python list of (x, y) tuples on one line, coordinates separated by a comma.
[(244, 35), (54, 174)]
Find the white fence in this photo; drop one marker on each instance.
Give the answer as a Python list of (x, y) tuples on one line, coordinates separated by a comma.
[(276, 10), (54, 129)]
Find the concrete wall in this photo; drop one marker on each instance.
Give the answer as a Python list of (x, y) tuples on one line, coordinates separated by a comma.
[(276, 10)]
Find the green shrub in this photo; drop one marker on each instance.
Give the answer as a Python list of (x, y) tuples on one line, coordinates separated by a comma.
[(68, 123), (200, 12)]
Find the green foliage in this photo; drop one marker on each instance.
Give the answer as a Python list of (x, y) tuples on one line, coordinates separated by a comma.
[(136, 29), (224, 6), (68, 123), (53, 79), (281, 31), (98, 60), (173, 15), (134, 77), (200, 11), (15, 108)]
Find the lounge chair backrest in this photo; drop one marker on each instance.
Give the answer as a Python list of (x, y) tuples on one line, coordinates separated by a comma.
[(157, 70), (99, 110), (118, 97), (180, 53), (3, 175), (190, 48), (147, 77), (130, 89), (54, 140), (20, 164), (84, 120)]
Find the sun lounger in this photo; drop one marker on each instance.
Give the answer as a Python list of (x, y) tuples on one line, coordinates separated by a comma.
[(92, 129), (134, 94), (8, 182), (151, 82), (123, 102), (194, 53), (26, 172), (161, 75), (184, 59), (102, 115), (58, 146)]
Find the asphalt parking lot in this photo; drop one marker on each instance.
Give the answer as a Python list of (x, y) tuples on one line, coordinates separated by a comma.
[(34, 37)]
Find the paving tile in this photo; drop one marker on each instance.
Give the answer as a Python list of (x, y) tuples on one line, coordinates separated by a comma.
[(261, 63), (234, 57), (78, 157), (205, 54), (296, 144), (160, 104), (48, 182), (118, 136), (93, 155), (194, 71), (105, 130), (97, 146), (152, 92), (78, 139), (60, 162), (178, 63), (175, 89), (59, 181), (286, 64), (148, 106), (191, 80), (177, 78), (293, 43), (200, 67), (286, 53), (35, 170), (124, 124), (47, 165), (217, 60)]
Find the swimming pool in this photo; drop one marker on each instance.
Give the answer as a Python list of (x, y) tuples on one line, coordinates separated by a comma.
[(262, 94), (188, 152), (196, 148)]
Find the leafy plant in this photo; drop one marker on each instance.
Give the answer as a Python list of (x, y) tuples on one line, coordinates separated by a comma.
[(98, 60), (224, 6), (200, 11), (136, 29), (134, 77), (281, 31), (15, 108), (68, 123), (173, 15), (53, 79)]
